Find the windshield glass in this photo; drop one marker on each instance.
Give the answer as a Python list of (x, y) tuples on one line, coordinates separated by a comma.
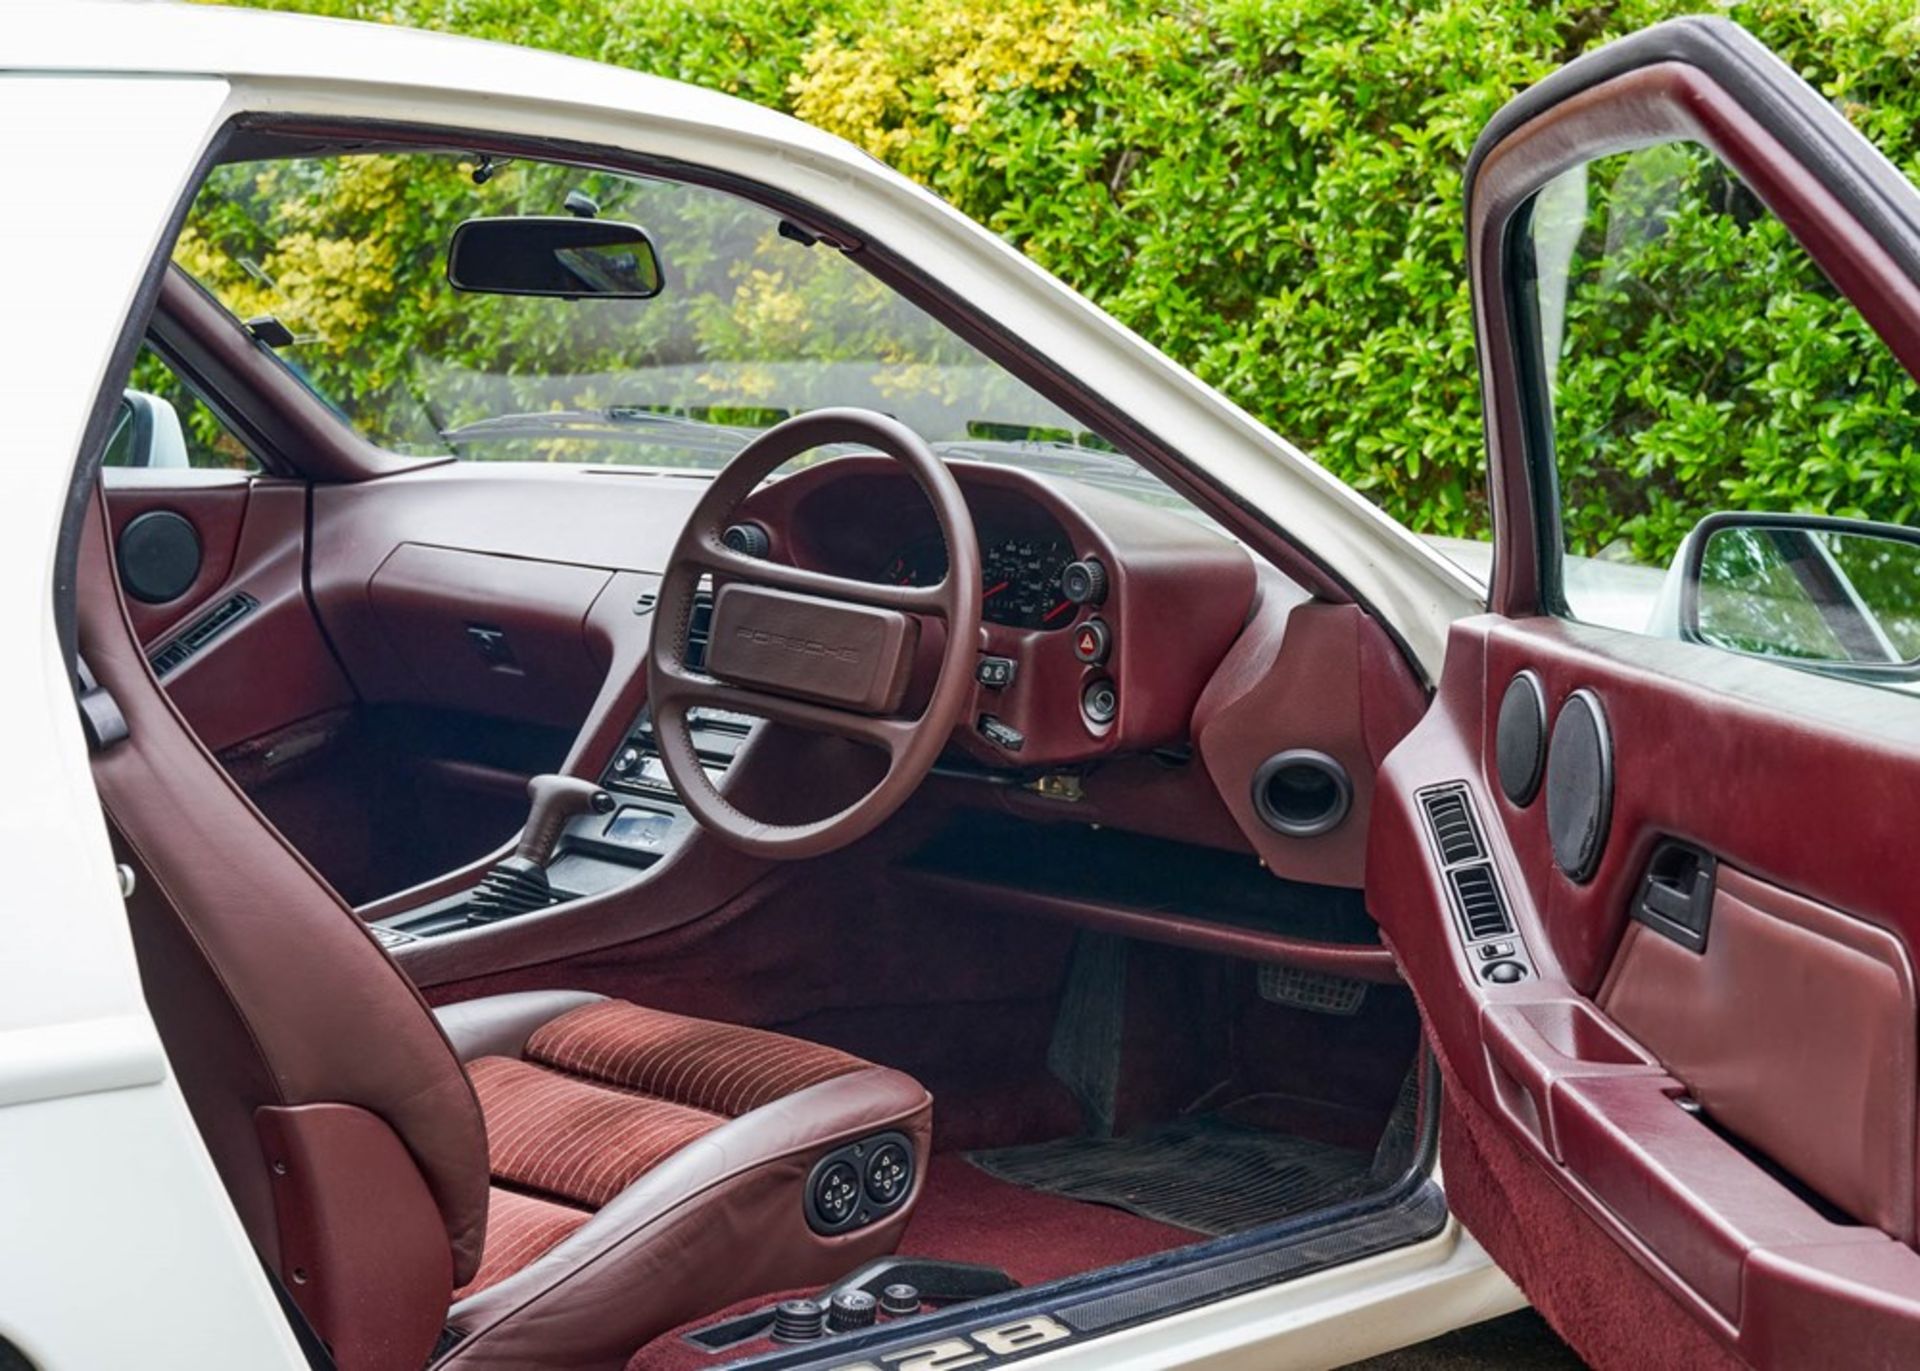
[(756, 321)]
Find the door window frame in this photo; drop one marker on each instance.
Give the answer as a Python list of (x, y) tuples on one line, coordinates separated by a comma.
[(1848, 207)]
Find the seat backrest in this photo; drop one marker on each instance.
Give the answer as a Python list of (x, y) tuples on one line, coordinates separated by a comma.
[(269, 993)]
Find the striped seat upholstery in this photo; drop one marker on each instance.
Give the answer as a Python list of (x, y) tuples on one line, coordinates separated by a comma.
[(603, 1094)]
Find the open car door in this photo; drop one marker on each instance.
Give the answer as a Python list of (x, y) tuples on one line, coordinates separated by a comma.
[(1654, 887)]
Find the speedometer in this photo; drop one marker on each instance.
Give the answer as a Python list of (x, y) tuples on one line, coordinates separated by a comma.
[(1021, 582)]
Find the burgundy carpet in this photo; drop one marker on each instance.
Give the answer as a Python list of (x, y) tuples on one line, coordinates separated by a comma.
[(965, 1215)]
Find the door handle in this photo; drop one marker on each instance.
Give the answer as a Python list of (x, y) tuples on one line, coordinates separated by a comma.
[(1676, 894)]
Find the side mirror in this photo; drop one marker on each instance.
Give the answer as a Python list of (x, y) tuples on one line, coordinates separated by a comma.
[(560, 256), (146, 433), (1841, 595)]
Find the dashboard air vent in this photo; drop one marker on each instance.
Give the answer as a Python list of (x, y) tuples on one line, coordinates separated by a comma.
[(1452, 824), (699, 631), (1482, 911), (174, 653)]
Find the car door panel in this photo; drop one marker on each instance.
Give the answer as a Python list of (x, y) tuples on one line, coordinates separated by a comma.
[(1794, 1029), (1690, 1107), (1798, 786)]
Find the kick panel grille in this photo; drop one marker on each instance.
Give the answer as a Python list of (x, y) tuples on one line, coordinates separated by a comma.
[(1453, 829), (1477, 898)]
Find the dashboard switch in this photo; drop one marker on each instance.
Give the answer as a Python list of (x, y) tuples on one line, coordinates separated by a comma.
[(1092, 641), (1084, 582), (995, 673), (749, 540), (1001, 735)]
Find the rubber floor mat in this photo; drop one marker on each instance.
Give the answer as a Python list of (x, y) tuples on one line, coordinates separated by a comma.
[(1202, 1173)]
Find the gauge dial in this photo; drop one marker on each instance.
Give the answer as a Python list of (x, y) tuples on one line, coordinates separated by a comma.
[(1021, 582), (1019, 578)]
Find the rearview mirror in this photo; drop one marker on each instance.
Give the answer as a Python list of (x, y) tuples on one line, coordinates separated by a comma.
[(1840, 594), (560, 255)]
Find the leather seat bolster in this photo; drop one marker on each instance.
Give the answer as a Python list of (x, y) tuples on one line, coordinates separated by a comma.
[(499, 1025), (727, 1203)]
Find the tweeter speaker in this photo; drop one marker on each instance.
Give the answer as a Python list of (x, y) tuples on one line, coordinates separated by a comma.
[(1580, 785), (1302, 793), (159, 554), (1520, 738)]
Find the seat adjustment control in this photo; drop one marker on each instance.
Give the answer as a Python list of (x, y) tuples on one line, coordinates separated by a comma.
[(860, 1183), (836, 1193), (888, 1171)]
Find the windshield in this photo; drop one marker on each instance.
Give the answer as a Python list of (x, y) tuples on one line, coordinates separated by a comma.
[(756, 321)]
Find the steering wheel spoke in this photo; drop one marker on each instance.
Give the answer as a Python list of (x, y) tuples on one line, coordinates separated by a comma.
[(885, 732), (723, 562)]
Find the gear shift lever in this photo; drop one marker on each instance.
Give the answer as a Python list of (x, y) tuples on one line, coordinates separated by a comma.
[(518, 883), (556, 799)]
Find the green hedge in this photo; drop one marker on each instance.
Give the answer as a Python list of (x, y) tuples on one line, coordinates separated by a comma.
[(1269, 191)]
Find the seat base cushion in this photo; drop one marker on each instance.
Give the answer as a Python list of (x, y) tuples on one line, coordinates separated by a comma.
[(649, 1167)]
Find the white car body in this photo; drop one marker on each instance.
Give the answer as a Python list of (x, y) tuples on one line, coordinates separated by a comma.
[(118, 1246)]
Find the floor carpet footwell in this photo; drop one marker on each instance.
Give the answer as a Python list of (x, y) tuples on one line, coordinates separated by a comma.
[(965, 1215), (1203, 1173)]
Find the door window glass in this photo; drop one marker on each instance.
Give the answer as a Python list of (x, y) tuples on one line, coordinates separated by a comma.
[(1694, 360)]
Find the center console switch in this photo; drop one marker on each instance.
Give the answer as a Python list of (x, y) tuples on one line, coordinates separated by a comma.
[(648, 820), (636, 768)]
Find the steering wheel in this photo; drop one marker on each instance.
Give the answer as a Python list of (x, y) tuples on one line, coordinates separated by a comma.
[(810, 650)]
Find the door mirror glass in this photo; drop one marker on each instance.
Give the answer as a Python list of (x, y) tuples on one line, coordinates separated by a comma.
[(1834, 593), (563, 256), (146, 433)]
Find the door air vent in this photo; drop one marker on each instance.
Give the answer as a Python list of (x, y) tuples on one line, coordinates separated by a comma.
[(174, 653), (1454, 834), (1476, 897)]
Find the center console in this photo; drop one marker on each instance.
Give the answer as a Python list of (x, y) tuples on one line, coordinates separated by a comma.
[(639, 821)]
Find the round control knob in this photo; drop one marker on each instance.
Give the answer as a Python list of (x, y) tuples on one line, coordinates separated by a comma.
[(1092, 641), (1100, 702), (799, 1320), (749, 540), (1084, 582), (898, 1301), (851, 1309), (836, 1194), (888, 1171)]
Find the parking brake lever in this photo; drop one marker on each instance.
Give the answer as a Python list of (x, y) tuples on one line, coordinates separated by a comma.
[(518, 883)]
